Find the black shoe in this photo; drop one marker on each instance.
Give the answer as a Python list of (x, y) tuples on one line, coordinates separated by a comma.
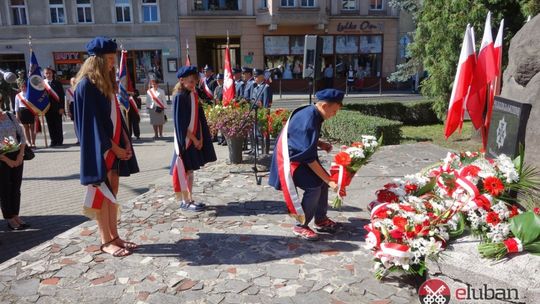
[(20, 227), (25, 225), (250, 152)]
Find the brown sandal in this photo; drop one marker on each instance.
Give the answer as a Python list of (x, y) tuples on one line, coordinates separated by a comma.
[(120, 252)]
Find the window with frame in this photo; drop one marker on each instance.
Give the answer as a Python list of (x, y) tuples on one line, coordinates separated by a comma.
[(57, 10), (18, 11), (348, 5), (264, 3), (376, 4), (123, 11), (287, 3), (307, 3), (150, 11), (84, 11), (217, 5)]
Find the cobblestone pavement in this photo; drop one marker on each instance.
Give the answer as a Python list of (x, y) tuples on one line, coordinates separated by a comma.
[(239, 251)]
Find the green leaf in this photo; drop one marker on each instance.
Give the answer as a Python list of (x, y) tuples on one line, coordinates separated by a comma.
[(533, 247), (426, 188), (526, 227)]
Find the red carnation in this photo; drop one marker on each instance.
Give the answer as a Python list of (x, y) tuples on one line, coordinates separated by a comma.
[(400, 222), (343, 158), (536, 211), (493, 185), (482, 202), (385, 196), (396, 234), (407, 208), (470, 170), (514, 211), (493, 218), (410, 188)]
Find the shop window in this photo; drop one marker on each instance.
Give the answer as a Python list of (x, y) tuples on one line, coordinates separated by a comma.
[(348, 5), (147, 62), (328, 45), (288, 3), (264, 3), (307, 3), (347, 44), (18, 11), (292, 65), (217, 5), (364, 59), (123, 11), (84, 11), (376, 4), (57, 10), (150, 11), (67, 64)]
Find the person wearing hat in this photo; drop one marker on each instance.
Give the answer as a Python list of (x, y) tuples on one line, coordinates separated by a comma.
[(193, 146), (55, 90), (238, 84), (207, 85), (295, 163), (247, 76), (106, 149), (156, 105), (261, 96), (218, 90)]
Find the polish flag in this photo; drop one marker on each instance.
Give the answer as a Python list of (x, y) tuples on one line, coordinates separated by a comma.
[(462, 81), (495, 88), (228, 81), (484, 73)]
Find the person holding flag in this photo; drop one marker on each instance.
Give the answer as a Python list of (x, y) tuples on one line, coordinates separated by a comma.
[(295, 163), (56, 111), (106, 149), (156, 105), (26, 115), (193, 146)]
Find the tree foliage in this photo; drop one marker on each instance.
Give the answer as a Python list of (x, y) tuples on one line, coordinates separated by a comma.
[(439, 34)]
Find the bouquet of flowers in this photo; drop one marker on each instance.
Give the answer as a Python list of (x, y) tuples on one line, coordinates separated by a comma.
[(272, 122), (8, 145), (348, 161), (525, 229)]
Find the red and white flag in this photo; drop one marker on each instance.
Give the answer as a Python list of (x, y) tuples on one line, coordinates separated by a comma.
[(495, 88), (95, 194), (188, 60), (228, 81), (484, 73), (462, 82)]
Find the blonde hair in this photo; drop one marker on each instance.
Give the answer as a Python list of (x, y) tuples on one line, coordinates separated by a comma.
[(180, 87), (95, 68)]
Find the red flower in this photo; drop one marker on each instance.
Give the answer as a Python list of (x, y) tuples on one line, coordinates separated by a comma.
[(493, 185), (385, 196), (493, 218), (428, 205), (400, 222), (407, 208), (482, 202), (409, 188), (357, 144), (470, 170), (342, 158), (514, 211), (396, 234), (390, 185), (536, 211)]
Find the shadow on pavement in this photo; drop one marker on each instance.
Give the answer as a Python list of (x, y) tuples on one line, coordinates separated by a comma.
[(57, 178), (250, 208), (43, 228), (241, 249)]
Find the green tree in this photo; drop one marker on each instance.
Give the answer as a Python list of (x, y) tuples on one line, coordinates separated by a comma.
[(439, 34)]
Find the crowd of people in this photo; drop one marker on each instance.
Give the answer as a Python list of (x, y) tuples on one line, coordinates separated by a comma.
[(101, 126)]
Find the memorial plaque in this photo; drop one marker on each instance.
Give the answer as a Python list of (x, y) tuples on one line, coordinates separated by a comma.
[(507, 127)]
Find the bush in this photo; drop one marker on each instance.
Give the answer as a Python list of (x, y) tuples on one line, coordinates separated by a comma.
[(349, 126), (412, 114)]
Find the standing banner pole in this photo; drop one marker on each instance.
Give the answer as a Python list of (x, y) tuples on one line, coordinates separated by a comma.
[(44, 129)]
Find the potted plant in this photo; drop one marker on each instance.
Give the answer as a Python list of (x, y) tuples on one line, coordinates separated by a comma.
[(234, 122)]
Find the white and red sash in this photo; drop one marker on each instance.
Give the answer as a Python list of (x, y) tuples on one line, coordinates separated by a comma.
[(180, 182), (286, 170), (207, 90), (156, 99), (51, 92), (95, 194), (70, 92), (27, 103), (133, 105)]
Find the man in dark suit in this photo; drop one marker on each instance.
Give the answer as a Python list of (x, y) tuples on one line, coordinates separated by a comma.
[(56, 110)]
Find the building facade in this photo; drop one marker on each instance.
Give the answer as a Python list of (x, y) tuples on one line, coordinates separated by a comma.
[(366, 36), (60, 29)]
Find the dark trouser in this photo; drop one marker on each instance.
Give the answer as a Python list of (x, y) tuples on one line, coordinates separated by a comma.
[(315, 203), (10, 187), (54, 122), (329, 82), (134, 120)]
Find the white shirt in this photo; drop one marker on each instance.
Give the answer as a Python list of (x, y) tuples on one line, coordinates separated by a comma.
[(18, 103), (159, 93)]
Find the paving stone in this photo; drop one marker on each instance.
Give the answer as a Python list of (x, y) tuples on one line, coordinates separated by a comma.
[(162, 298), (99, 292), (235, 286), (284, 271), (25, 288)]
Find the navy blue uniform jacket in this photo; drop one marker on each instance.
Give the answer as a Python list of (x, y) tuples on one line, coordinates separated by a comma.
[(303, 134)]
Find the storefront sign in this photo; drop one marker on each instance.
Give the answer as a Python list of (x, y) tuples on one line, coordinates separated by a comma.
[(364, 26), (67, 57)]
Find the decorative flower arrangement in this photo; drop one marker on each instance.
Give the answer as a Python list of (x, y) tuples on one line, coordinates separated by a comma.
[(8, 145), (272, 122), (348, 161), (413, 218), (233, 120)]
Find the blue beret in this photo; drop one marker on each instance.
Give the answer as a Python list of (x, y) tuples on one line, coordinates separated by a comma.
[(258, 72), (185, 71), (330, 95), (101, 45), (219, 76), (208, 68), (237, 70), (247, 70)]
